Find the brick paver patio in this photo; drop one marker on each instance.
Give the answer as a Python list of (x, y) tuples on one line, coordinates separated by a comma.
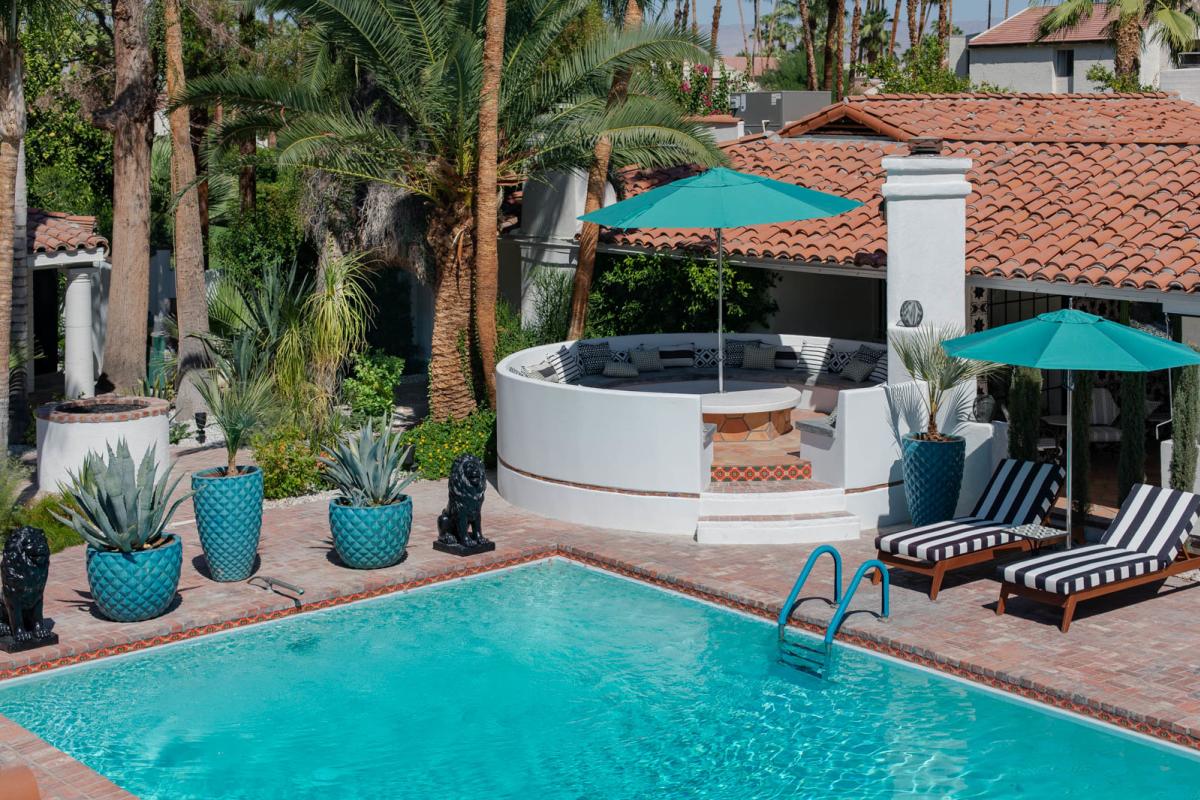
[(1129, 659)]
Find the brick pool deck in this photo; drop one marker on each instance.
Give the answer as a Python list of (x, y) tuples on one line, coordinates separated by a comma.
[(1130, 659)]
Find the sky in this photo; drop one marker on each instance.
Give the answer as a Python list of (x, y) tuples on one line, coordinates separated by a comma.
[(970, 15)]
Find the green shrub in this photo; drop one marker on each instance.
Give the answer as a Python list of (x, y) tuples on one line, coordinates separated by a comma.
[(13, 477), (511, 336), (437, 443), (39, 514), (370, 390), (288, 462), (1024, 412), (646, 293), (1131, 464), (269, 236), (1185, 429)]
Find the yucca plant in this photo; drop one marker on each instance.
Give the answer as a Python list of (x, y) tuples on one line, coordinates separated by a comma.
[(238, 392), (366, 467), (922, 354), (117, 507)]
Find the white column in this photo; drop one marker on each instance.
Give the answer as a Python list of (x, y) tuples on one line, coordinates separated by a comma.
[(78, 371), (926, 212)]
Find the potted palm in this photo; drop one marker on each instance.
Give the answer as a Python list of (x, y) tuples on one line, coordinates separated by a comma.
[(933, 460), (372, 517), (122, 513), (238, 394)]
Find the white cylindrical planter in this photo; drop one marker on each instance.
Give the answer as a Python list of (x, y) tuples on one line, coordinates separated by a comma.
[(69, 430), (78, 368)]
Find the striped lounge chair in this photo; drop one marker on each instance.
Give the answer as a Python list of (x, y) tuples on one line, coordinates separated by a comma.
[(1143, 544), (1019, 492)]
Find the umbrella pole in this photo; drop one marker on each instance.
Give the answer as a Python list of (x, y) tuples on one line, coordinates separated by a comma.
[(720, 315), (1070, 453)]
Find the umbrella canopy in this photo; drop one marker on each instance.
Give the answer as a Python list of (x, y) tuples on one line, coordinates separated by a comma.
[(1073, 340), (720, 198)]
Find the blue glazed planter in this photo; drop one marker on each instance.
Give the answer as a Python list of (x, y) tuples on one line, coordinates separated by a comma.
[(130, 587), (933, 474), (229, 516), (370, 537)]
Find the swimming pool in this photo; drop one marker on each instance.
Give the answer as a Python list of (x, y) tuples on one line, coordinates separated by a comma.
[(555, 681)]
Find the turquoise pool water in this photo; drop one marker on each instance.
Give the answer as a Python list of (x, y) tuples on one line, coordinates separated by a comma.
[(553, 681)]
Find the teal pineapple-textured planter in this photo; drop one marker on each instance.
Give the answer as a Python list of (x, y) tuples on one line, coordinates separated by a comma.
[(130, 587), (229, 517), (370, 537), (933, 474)]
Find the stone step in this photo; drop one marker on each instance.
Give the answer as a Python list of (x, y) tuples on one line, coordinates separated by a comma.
[(829, 526), (771, 497)]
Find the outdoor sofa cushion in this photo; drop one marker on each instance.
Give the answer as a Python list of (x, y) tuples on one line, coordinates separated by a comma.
[(1080, 568), (646, 359), (790, 358), (620, 369), (942, 540), (858, 370), (759, 357), (677, 355)]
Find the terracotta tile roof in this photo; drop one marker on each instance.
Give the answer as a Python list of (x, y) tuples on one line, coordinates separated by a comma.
[(761, 64), (1022, 28), (1150, 118), (1116, 213), (54, 231)]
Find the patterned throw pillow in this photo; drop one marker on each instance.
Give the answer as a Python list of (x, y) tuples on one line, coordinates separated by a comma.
[(836, 361), (879, 374), (646, 359), (789, 358), (706, 356), (858, 370), (871, 355), (759, 357), (593, 356), (566, 362), (677, 355), (543, 371), (735, 350), (620, 369)]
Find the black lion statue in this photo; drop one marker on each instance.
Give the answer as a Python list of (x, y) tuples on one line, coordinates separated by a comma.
[(460, 529), (23, 571)]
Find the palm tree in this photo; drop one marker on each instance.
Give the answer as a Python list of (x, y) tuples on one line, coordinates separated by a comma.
[(130, 118), (891, 43), (945, 9), (1169, 22), (855, 32), (873, 38), (914, 28), (411, 122), (189, 242)]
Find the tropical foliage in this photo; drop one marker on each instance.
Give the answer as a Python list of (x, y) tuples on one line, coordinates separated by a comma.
[(922, 70), (411, 122), (436, 443), (371, 388), (920, 351), (118, 506), (1170, 22), (366, 467), (288, 462)]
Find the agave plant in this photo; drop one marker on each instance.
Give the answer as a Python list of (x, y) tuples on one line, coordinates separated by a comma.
[(926, 360), (117, 507), (365, 467)]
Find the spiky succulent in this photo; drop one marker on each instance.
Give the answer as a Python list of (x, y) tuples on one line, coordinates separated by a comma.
[(366, 467), (117, 507)]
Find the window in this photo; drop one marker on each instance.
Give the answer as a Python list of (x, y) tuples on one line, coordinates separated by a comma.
[(1064, 63)]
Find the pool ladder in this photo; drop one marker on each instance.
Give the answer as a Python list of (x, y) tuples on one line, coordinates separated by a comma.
[(807, 657)]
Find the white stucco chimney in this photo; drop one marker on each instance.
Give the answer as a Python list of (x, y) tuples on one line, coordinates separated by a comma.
[(926, 212)]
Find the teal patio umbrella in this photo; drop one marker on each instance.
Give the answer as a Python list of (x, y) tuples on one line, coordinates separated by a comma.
[(720, 198), (1073, 340)]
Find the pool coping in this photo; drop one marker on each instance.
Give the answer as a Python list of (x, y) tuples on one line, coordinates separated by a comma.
[(1075, 703)]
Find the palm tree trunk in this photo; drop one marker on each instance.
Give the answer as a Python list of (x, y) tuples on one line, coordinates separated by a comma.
[(487, 265), (831, 25), (855, 44), (1006, 9), (943, 33), (247, 176), (810, 56), (841, 48), (716, 28), (695, 19), (12, 131), (131, 120), (924, 20), (589, 234), (192, 305), (450, 239), (895, 29), (914, 29), (1129, 46)]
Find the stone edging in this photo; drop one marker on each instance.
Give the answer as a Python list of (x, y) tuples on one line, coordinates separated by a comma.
[(1078, 704), (149, 407)]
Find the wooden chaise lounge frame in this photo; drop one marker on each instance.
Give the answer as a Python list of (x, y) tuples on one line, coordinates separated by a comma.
[(1183, 562), (937, 570)]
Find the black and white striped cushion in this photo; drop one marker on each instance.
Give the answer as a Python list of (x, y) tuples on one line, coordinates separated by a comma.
[(1154, 521), (943, 540), (566, 363), (1019, 492), (1080, 568), (879, 374)]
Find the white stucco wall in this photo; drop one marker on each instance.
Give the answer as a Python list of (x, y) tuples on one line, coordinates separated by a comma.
[(1030, 68), (1186, 82)]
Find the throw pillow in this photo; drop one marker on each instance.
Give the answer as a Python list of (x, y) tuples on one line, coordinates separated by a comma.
[(593, 356), (620, 369), (789, 358), (543, 371), (677, 355), (735, 350), (759, 357), (566, 362), (646, 359), (858, 370), (879, 374), (836, 361), (869, 354)]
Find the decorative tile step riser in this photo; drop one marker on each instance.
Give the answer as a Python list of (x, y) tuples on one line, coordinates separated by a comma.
[(762, 472)]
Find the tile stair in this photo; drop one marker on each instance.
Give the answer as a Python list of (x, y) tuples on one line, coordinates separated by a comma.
[(775, 512)]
